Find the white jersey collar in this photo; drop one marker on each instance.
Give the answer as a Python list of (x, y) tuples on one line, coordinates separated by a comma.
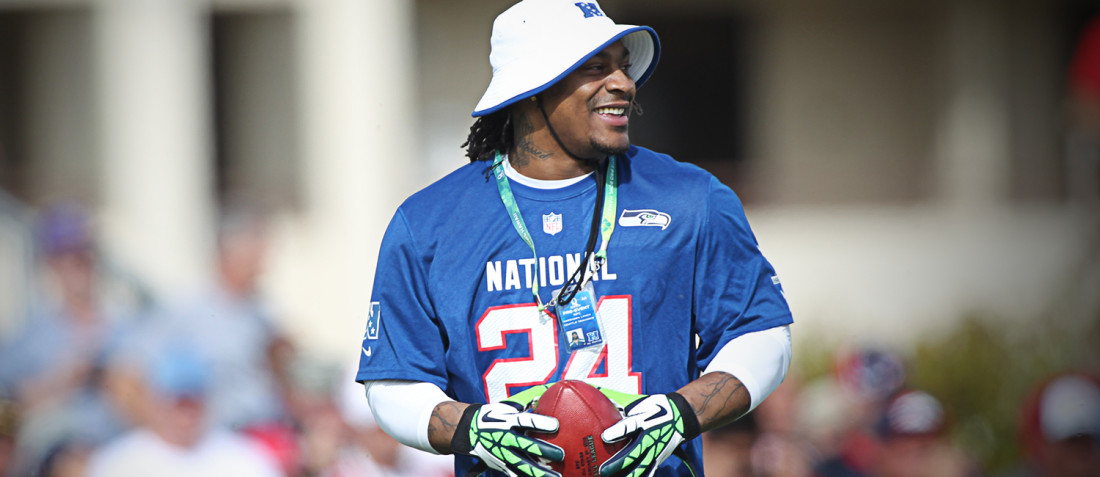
[(539, 183)]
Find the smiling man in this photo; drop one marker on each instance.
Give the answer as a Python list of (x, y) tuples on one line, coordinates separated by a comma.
[(649, 262)]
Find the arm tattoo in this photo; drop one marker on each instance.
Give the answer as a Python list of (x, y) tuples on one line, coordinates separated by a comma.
[(717, 399), (442, 424), (525, 149)]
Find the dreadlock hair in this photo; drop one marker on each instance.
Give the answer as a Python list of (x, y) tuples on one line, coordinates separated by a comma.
[(489, 134)]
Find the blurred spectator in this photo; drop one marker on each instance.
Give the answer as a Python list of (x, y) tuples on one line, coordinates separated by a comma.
[(913, 444), (367, 450), (229, 327), (824, 417), (780, 450), (727, 450), (870, 374), (1061, 427), (177, 439), (51, 368), (67, 459), (866, 377)]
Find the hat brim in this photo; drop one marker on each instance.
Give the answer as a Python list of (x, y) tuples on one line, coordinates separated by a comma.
[(535, 76)]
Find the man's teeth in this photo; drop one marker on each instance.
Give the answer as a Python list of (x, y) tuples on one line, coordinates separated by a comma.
[(614, 111)]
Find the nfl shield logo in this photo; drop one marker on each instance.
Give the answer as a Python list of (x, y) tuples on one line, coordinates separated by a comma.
[(551, 223)]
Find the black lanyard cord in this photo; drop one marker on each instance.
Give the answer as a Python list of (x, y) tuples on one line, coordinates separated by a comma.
[(574, 284)]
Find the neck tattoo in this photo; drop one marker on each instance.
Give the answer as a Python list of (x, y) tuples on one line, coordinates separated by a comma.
[(525, 149)]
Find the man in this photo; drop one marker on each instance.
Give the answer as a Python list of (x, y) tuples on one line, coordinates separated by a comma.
[(574, 339), (177, 439), (51, 368), (652, 260), (228, 324), (913, 442), (366, 450), (1061, 427), (727, 450)]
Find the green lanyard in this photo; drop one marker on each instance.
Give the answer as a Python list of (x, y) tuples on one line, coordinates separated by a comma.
[(607, 223)]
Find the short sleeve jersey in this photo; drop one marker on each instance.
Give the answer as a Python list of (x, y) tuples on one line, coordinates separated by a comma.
[(452, 302)]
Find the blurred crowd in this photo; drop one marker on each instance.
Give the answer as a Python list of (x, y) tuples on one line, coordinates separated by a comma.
[(204, 384), (201, 384), (864, 420)]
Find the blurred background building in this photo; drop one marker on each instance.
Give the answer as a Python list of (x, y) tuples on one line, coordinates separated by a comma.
[(908, 166), (904, 162)]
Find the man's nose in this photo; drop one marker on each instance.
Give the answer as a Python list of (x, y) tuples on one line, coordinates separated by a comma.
[(620, 81)]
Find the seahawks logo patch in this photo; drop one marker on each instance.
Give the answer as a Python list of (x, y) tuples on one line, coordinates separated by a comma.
[(644, 218)]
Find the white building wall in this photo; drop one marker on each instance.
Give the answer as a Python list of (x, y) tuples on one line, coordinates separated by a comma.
[(356, 89), (154, 129), (383, 90)]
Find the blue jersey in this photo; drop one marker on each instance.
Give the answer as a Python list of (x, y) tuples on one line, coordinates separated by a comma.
[(452, 302)]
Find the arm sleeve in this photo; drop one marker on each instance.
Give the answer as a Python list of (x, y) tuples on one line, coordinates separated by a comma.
[(403, 409), (403, 338), (759, 360), (736, 289)]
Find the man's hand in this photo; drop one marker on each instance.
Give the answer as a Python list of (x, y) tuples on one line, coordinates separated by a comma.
[(660, 423), (495, 434)]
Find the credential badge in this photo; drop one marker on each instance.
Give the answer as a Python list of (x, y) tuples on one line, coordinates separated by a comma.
[(551, 223)]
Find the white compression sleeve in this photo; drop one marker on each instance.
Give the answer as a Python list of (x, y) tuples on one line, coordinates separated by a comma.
[(759, 360), (403, 409)]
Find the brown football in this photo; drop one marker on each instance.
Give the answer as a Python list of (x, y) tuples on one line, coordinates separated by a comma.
[(583, 412)]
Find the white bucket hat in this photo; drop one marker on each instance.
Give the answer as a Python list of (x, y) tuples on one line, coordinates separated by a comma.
[(535, 43)]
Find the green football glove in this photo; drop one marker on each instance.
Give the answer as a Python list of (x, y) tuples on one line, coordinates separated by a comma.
[(659, 424), (494, 433)]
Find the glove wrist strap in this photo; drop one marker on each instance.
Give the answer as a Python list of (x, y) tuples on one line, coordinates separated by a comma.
[(460, 441), (691, 421)]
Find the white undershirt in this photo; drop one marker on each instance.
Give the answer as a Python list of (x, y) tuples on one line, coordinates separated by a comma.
[(759, 360), (404, 408), (513, 174)]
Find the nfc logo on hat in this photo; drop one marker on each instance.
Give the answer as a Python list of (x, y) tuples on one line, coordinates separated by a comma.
[(589, 9)]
